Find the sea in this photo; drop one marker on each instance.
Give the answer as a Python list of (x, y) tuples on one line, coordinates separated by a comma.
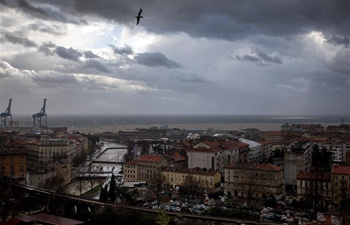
[(113, 123)]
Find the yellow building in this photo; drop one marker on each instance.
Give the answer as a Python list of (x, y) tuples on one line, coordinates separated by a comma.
[(314, 188), (13, 163), (340, 178), (130, 171), (254, 180), (144, 168), (207, 180)]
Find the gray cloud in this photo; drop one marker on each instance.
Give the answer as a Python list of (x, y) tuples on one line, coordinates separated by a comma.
[(68, 53), (227, 20), (53, 29), (14, 39), (96, 65), (30, 9), (55, 78), (337, 40), (90, 55), (155, 59), (126, 50), (340, 63), (46, 48), (260, 58)]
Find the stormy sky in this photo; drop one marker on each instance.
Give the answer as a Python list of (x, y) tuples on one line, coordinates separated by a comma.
[(185, 57)]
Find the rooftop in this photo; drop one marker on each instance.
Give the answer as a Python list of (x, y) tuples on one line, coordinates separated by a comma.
[(254, 166), (344, 170)]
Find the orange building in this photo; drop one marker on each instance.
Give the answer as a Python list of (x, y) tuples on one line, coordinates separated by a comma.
[(13, 163)]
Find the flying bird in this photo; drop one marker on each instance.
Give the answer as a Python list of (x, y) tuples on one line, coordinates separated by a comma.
[(138, 17)]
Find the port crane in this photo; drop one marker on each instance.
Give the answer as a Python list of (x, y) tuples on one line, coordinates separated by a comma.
[(40, 118), (6, 116)]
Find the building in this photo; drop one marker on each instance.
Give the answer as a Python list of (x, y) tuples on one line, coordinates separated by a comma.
[(314, 188), (339, 150), (207, 180), (340, 178), (251, 134), (41, 176), (144, 169), (254, 180), (214, 155), (13, 163), (255, 150), (297, 157), (130, 171), (266, 149), (51, 149), (64, 170), (271, 136)]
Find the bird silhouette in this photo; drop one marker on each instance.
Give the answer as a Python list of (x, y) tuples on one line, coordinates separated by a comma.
[(139, 17)]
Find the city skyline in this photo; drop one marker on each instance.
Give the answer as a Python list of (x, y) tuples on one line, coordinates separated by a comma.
[(191, 57)]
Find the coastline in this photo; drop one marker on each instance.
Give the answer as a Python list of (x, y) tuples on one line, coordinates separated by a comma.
[(190, 127)]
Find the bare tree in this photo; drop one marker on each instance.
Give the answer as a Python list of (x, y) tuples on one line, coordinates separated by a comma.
[(191, 186), (156, 186), (92, 174)]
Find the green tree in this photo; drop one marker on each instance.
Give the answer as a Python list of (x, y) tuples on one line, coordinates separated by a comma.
[(112, 189), (163, 219)]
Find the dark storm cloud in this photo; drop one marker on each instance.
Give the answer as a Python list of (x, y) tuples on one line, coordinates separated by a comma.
[(337, 40), (227, 19), (47, 48), (126, 50), (260, 58), (341, 62), (90, 55), (30, 9), (44, 11), (117, 10), (14, 39), (96, 65), (155, 59), (68, 53)]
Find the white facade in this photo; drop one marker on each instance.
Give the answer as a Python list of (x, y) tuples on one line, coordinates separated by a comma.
[(339, 151), (255, 149), (296, 158), (39, 178), (202, 156)]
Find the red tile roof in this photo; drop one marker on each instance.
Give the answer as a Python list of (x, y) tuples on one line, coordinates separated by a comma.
[(131, 163), (303, 175), (50, 219), (150, 158), (343, 170), (271, 133), (196, 170), (263, 142), (254, 166)]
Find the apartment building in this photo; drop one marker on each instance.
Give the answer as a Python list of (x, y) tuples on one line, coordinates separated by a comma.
[(145, 168), (314, 188), (255, 150), (339, 150), (297, 157), (271, 136), (254, 180), (13, 163), (214, 155), (340, 178), (207, 180), (130, 171)]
